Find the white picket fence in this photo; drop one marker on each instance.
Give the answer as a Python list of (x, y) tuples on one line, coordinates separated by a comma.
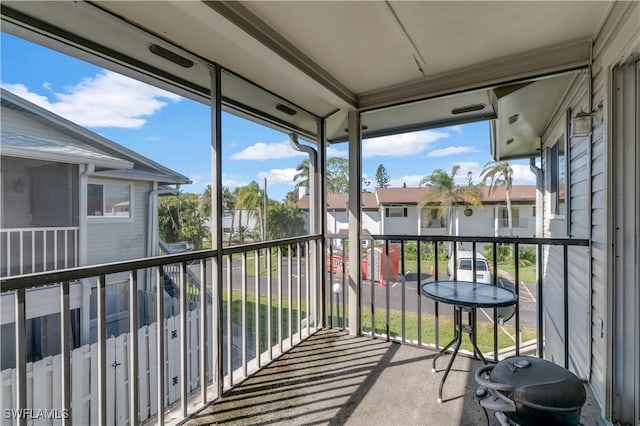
[(44, 378)]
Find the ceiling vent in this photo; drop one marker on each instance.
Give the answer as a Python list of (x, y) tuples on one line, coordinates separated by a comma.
[(513, 118), (170, 56), (286, 109), (468, 108), (509, 141), (363, 127)]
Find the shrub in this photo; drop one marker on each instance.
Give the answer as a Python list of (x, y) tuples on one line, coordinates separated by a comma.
[(410, 251), (504, 252)]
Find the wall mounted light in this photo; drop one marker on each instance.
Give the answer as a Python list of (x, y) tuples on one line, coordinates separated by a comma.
[(581, 124), (18, 185)]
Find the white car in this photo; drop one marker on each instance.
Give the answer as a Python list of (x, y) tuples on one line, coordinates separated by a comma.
[(465, 267)]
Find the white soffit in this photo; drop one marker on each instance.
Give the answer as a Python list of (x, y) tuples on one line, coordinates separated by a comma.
[(523, 112), (323, 56), (198, 28)]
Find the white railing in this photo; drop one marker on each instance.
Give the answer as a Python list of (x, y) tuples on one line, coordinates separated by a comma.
[(30, 250), (265, 298), (44, 377), (522, 222)]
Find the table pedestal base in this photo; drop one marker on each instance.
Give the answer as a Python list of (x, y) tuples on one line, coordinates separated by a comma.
[(460, 328)]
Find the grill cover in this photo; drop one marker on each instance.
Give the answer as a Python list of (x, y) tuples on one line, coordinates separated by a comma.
[(543, 392), (540, 384)]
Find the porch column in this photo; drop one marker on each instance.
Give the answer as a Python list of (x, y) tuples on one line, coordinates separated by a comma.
[(216, 225), (320, 227), (85, 329), (355, 199)]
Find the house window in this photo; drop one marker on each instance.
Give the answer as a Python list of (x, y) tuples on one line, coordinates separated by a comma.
[(226, 214), (503, 217), (108, 200), (396, 212), (557, 177), (431, 219)]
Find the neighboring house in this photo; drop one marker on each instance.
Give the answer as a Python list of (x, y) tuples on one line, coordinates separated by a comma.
[(233, 220), (401, 213), (337, 218), (396, 211), (71, 198)]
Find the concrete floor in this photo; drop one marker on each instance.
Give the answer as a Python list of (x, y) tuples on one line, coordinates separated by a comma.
[(336, 379)]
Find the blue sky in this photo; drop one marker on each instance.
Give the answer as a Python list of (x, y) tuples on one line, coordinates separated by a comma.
[(175, 131)]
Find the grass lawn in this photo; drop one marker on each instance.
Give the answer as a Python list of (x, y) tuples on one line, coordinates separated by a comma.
[(484, 330), (527, 273), (484, 334), (251, 316), (251, 261), (425, 266)]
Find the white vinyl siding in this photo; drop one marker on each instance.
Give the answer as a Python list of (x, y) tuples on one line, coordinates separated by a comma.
[(114, 240), (559, 222), (625, 295), (614, 40)]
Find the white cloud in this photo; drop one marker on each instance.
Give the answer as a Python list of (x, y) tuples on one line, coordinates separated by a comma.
[(451, 150), (333, 152), (403, 145), (106, 100), (457, 128), (267, 151), (232, 182), (199, 179), (278, 177), (462, 177), (522, 175), (410, 180)]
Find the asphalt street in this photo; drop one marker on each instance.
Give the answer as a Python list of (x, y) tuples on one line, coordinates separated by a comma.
[(394, 290)]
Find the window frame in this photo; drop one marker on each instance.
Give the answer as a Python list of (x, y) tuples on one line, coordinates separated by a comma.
[(402, 213), (558, 178), (110, 219), (430, 219), (503, 217)]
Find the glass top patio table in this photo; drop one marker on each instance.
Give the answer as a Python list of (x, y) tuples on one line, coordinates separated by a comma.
[(469, 294)]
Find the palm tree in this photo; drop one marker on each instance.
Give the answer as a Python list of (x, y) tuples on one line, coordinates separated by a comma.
[(444, 193), (302, 177), (500, 174), (285, 220), (242, 232), (205, 202), (250, 198)]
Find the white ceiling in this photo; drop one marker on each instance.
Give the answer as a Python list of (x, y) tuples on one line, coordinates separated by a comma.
[(323, 57)]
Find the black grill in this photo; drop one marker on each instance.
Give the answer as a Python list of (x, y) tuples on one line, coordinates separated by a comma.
[(531, 391)]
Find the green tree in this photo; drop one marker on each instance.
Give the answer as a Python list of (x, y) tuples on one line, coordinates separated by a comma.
[(205, 202), (302, 177), (291, 197), (179, 218), (500, 173), (284, 220), (337, 175), (382, 177), (444, 194), (242, 232), (250, 198)]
